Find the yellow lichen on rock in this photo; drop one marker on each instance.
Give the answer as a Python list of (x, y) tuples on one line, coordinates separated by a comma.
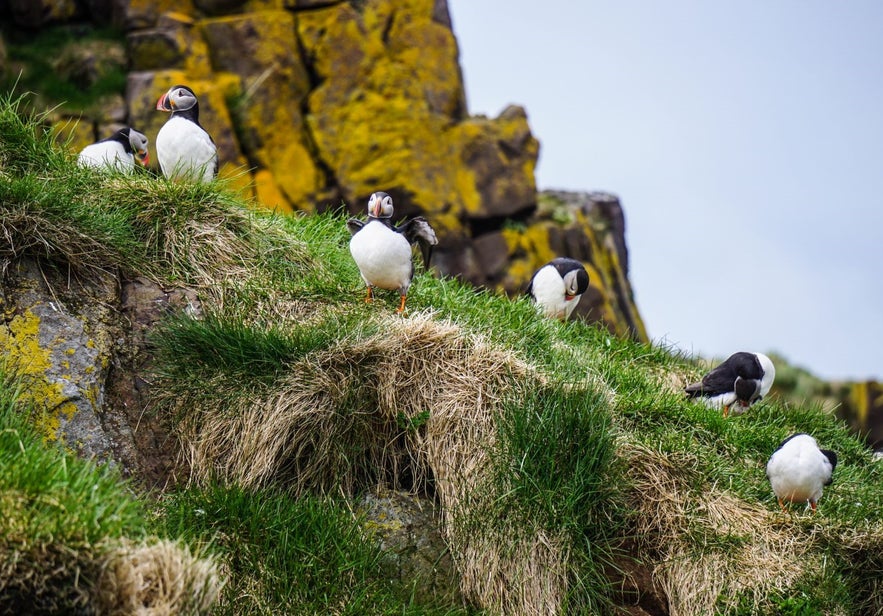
[(268, 193), (20, 339)]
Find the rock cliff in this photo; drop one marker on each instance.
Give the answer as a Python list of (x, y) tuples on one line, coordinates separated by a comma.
[(314, 104)]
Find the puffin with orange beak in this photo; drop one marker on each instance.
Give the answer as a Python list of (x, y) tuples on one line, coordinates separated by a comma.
[(183, 147), (558, 286), (382, 251), (119, 151)]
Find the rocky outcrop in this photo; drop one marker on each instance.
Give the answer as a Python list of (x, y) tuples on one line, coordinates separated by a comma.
[(81, 348), (57, 337), (863, 410), (315, 104), (409, 530)]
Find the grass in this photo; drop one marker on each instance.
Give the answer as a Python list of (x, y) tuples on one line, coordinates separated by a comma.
[(556, 468), (554, 451), (72, 531), (41, 55), (287, 555)]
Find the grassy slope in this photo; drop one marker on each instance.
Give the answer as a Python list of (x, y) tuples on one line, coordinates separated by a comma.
[(597, 451)]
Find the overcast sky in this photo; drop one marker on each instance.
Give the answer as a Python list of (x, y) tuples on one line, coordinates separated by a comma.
[(745, 141)]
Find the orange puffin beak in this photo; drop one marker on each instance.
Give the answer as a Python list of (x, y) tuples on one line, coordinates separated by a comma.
[(376, 211), (163, 104), (568, 298), (143, 157)]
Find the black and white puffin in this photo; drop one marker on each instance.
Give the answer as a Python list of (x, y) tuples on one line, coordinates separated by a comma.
[(558, 285), (383, 251), (798, 470), (119, 151), (183, 147), (740, 381)]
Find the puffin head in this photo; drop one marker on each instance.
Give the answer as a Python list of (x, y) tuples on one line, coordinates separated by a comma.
[(138, 141), (178, 98), (575, 283), (747, 391), (380, 205)]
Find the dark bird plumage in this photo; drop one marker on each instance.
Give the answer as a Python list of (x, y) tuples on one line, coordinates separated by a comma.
[(184, 148), (558, 286), (382, 251), (737, 383)]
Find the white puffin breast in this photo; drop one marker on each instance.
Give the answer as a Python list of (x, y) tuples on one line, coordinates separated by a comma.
[(106, 154), (798, 471), (548, 290), (725, 399), (383, 256), (184, 150)]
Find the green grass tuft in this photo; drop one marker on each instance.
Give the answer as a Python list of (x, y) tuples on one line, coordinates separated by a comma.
[(43, 57), (60, 513), (290, 556)]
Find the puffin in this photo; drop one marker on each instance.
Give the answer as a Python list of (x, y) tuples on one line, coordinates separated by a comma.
[(183, 147), (557, 286), (382, 251), (119, 151), (740, 381), (798, 470)]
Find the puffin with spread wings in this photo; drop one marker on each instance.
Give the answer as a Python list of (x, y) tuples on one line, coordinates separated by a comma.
[(382, 251)]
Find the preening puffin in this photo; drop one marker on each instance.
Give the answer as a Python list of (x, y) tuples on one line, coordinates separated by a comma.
[(183, 147), (558, 285), (119, 151), (740, 381), (798, 470), (383, 251)]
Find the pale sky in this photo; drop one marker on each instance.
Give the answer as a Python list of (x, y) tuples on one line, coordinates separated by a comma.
[(744, 140)]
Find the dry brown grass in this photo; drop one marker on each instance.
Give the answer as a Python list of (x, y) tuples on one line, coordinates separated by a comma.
[(765, 556), (417, 401), (156, 579)]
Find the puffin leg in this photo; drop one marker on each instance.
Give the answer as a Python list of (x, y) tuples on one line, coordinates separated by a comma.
[(402, 304), (726, 410), (812, 505), (782, 505), (369, 296)]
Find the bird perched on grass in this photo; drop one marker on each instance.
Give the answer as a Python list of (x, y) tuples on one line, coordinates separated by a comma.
[(383, 251), (183, 147), (558, 285), (119, 151), (798, 470), (740, 381)]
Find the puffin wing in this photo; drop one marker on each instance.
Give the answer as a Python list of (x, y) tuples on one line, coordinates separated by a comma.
[(719, 381), (418, 230), (832, 460), (354, 225)]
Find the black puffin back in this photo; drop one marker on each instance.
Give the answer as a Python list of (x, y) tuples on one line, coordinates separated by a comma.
[(832, 458), (746, 365), (122, 137)]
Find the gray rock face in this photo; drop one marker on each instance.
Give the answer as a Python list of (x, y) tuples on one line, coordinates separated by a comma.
[(408, 528), (83, 352), (57, 336)]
